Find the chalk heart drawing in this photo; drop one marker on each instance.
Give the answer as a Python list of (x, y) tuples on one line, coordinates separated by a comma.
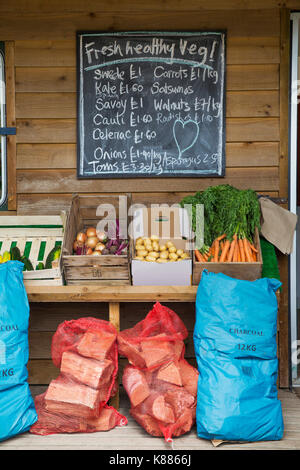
[(185, 134)]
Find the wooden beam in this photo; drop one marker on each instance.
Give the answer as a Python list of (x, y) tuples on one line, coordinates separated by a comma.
[(71, 6), (284, 373), (11, 122), (113, 294), (29, 204), (257, 103), (62, 181), (62, 53), (59, 25), (63, 79), (55, 156), (114, 318), (284, 100)]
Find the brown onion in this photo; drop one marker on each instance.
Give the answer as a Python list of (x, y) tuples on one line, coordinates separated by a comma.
[(102, 236), (96, 253), (91, 242), (99, 247), (89, 251), (81, 237), (91, 232)]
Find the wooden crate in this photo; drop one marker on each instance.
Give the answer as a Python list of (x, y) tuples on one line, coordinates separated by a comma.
[(35, 236), (246, 271), (103, 270)]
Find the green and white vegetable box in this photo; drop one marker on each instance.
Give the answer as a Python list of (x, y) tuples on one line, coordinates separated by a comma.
[(35, 237)]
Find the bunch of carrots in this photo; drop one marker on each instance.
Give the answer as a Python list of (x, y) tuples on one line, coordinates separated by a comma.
[(230, 211), (223, 250)]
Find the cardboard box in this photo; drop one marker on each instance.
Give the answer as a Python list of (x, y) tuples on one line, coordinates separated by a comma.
[(168, 223)]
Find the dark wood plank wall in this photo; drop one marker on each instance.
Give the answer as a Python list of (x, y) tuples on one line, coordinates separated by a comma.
[(45, 106)]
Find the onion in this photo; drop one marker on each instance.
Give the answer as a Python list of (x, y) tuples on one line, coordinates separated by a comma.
[(91, 232), (102, 236), (96, 253), (89, 251), (81, 237), (99, 247), (77, 244), (91, 242)]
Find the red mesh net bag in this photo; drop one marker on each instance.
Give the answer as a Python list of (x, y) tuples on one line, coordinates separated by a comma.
[(86, 352), (160, 383)]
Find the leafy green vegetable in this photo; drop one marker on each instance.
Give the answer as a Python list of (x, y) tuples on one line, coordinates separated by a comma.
[(40, 266), (27, 264), (52, 256), (226, 210), (15, 253)]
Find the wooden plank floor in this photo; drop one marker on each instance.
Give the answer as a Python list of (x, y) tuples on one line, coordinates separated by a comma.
[(133, 437)]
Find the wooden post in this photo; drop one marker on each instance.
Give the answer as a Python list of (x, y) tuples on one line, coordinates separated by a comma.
[(284, 376), (11, 122), (114, 318)]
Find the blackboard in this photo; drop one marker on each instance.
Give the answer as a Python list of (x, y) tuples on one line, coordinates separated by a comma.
[(151, 104)]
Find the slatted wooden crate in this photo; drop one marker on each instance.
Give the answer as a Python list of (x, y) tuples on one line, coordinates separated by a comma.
[(35, 236), (246, 271), (84, 269)]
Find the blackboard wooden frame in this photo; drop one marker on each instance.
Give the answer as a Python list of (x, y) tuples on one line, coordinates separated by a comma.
[(166, 34)]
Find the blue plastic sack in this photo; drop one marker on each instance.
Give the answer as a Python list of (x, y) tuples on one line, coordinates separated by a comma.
[(17, 412), (236, 351)]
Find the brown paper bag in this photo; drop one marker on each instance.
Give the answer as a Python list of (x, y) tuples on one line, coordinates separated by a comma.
[(277, 225)]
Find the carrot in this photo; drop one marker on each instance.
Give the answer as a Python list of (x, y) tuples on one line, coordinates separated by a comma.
[(236, 253), (224, 251), (247, 250), (216, 255), (242, 251), (253, 248), (252, 253), (199, 256), (232, 248), (239, 253), (221, 237)]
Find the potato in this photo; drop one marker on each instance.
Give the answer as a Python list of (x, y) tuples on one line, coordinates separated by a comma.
[(150, 258), (173, 257), (140, 258), (155, 246), (169, 244), (184, 256), (142, 253), (139, 241), (162, 248), (172, 249), (154, 238), (154, 254), (161, 260), (179, 252), (148, 247), (147, 240), (164, 254), (140, 244)]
